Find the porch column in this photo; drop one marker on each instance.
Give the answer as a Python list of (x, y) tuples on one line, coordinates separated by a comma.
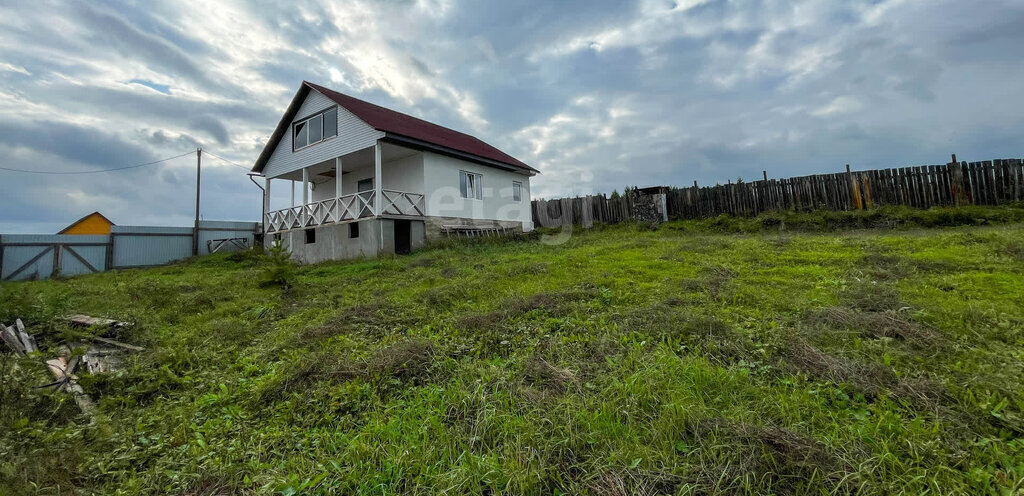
[(377, 182), (305, 194), (337, 177), (266, 207), (293, 191)]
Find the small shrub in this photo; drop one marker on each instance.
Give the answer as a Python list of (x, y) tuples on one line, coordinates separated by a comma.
[(281, 271)]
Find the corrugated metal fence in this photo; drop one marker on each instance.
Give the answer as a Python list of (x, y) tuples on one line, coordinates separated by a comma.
[(39, 256), (956, 183)]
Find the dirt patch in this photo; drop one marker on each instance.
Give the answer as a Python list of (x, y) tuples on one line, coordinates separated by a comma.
[(875, 325), (764, 457)]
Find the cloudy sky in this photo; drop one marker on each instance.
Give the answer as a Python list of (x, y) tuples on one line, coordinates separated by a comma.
[(595, 94)]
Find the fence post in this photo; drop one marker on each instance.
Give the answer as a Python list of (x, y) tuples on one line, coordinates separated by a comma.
[(866, 185), (956, 182), (854, 189), (57, 252)]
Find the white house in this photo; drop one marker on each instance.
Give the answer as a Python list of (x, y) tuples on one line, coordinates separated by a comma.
[(376, 181)]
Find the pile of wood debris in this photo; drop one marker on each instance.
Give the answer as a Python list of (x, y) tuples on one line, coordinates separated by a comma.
[(101, 355)]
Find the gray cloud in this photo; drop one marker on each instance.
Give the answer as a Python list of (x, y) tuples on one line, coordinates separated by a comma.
[(597, 94)]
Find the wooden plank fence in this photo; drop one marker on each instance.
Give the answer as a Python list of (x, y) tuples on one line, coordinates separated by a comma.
[(989, 182)]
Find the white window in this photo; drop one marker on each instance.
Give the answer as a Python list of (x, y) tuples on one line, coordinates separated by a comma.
[(315, 128), (471, 185), (517, 191)]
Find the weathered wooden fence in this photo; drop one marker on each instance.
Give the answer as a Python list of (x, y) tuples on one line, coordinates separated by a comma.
[(39, 256), (956, 183)]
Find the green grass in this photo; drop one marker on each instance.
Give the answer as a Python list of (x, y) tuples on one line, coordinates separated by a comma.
[(627, 360)]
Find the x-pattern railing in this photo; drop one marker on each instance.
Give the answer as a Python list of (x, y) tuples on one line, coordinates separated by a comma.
[(402, 203), (348, 207)]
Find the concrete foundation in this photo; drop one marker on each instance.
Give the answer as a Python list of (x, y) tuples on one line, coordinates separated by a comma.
[(434, 225), (375, 237), (336, 242)]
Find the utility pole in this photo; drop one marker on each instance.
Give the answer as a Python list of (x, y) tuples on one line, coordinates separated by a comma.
[(195, 228)]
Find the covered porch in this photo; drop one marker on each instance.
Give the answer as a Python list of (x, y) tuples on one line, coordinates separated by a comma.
[(381, 181)]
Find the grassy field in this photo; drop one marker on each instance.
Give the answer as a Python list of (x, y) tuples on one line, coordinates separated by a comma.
[(778, 355)]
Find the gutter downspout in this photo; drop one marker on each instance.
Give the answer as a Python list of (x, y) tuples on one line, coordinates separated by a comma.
[(263, 206)]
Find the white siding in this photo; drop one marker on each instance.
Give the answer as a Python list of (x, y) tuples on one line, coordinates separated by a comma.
[(353, 135), (404, 174), (441, 183)]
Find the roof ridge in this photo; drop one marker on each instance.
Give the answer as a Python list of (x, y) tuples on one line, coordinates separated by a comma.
[(389, 120), (360, 100)]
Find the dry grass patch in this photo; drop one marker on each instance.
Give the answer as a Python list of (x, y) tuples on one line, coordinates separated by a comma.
[(764, 458), (872, 297), (871, 379), (887, 324), (713, 280), (541, 374), (411, 361), (371, 318), (1015, 250), (806, 358), (423, 262), (633, 483), (552, 303)]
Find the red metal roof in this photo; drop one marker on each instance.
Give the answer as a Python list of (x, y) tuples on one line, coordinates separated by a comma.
[(390, 121)]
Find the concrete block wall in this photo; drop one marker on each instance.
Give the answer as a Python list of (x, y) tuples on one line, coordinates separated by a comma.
[(333, 241)]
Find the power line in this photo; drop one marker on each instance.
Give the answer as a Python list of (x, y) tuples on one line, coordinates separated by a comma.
[(226, 160), (96, 171)]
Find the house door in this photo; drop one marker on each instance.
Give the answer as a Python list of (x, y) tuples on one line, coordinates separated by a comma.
[(361, 186), (403, 232)]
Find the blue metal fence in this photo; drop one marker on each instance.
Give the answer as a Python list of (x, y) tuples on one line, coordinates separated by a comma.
[(39, 256)]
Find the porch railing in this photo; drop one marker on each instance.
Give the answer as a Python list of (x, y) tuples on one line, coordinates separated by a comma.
[(346, 208)]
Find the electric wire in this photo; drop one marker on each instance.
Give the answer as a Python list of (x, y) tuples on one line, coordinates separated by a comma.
[(208, 152), (97, 171)]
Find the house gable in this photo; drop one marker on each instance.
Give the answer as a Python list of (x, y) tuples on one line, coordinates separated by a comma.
[(360, 125), (353, 135), (94, 223)]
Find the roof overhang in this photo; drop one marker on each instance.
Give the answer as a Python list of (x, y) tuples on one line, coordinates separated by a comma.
[(451, 152), (282, 127)]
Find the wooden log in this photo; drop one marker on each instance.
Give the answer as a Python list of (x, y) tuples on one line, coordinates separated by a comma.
[(10, 337), (87, 321), (118, 344), (27, 341)]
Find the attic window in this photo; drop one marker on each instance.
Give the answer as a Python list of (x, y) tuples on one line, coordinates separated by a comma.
[(315, 128)]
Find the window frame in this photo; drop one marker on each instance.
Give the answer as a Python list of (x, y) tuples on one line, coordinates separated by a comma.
[(519, 191), (477, 183), (307, 120)]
